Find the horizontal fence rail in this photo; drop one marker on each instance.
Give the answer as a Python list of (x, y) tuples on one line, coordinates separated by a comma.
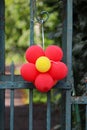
[(17, 82), (13, 82)]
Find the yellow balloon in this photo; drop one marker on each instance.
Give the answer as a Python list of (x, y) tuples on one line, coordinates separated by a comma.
[(43, 64)]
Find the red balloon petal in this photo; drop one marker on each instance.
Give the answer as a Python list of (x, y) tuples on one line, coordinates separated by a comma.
[(34, 52), (54, 53), (44, 82), (55, 82), (28, 72), (58, 70)]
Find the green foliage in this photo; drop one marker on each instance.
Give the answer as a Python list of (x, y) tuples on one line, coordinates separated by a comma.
[(55, 26), (80, 52), (17, 30), (80, 44), (39, 97), (18, 23)]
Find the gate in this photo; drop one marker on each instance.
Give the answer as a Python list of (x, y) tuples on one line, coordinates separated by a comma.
[(13, 82)]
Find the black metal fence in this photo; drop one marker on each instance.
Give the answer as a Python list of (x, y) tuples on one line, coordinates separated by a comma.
[(13, 82)]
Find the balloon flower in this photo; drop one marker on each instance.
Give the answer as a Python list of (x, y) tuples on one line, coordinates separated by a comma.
[(44, 67)]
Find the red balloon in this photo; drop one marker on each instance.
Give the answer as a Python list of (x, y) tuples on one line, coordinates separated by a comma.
[(28, 72), (44, 82), (34, 52), (58, 70), (54, 53), (55, 82)]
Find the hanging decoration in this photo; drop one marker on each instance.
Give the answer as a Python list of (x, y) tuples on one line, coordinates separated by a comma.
[(44, 67)]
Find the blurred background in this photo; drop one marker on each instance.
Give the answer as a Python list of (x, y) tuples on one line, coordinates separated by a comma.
[(17, 29)]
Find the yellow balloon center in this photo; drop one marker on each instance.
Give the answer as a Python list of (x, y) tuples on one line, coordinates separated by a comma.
[(43, 64)]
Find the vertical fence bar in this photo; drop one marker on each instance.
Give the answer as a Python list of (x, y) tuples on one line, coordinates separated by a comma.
[(86, 118), (69, 62), (62, 110), (67, 36), (12, 100), (86, 110), (68, 111), (2, 61), (67, 48), (32, 7), (49, 110), (31, 109), (12, 109)]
